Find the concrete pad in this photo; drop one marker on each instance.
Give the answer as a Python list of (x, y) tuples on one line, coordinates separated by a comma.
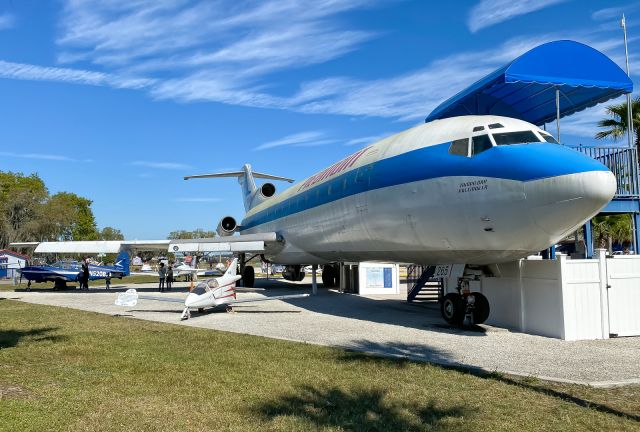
[(381, 326)]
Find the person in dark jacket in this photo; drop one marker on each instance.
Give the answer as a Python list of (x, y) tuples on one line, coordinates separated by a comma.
[(85, 273), (162, 273)]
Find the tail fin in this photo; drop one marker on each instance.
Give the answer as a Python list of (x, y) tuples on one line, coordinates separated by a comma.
[(122, 262), (231, 271), (246, 178)]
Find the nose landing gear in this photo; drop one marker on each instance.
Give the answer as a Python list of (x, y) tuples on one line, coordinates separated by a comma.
[(461, 308)]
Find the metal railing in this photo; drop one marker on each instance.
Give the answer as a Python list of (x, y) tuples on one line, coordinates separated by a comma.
[(623, 163)]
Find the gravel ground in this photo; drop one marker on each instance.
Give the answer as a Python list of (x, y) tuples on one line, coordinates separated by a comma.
[(388, 327)]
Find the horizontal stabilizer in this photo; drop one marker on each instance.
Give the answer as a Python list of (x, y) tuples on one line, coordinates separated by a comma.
[(163, 299), (284, 297), (239, 174)]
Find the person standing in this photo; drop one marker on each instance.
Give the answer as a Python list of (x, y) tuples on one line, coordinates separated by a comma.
[(169, 275), (85, 273), (162, 273)]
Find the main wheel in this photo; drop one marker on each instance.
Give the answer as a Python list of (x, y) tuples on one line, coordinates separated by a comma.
[(452, 308), (248, 277), (329, 276), (481, 308)]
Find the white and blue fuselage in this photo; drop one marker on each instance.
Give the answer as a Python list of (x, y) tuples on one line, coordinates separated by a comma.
[(472, 189)]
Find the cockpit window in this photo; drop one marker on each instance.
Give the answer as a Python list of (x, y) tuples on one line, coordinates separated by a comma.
[(478, 128), (495, 126), (460, 147), (549, 138), (508, 138), (200, 289), (481, 143)]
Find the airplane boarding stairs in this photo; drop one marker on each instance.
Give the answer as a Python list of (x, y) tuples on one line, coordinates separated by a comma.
[(422, 287)]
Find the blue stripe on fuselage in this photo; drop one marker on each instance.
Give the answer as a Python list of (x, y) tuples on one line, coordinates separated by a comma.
[(522, 162)]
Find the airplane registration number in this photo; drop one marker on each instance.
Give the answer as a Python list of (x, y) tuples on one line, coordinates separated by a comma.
[(98, 273), (442, 271)]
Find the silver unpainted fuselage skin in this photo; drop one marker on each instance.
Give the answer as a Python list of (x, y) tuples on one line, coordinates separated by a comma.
[(407, 199)]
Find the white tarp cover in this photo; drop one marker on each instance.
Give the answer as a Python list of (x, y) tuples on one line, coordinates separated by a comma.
[(99, 246), (74, 247)]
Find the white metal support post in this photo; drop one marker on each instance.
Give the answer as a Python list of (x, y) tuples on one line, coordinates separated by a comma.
[(623, 24), (314, 284)]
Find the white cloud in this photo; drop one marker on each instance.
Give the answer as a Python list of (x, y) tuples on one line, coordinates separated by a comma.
[(77, 76), (614, 12), (44, 156), (302, 139), (491, 12), (7, 21), (161, 165), (204, 51), (194, 37)]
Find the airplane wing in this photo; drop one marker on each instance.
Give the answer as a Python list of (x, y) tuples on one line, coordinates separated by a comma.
[(156, 274), (283, 297), (130, 298), (259, 242), (255, 243), (98, 246), (163, 299)]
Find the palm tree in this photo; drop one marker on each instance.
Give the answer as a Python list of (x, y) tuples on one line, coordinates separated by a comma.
[(618, 123), (611, 229)]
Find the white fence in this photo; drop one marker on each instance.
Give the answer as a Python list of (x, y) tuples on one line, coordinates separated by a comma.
[(567, 299)]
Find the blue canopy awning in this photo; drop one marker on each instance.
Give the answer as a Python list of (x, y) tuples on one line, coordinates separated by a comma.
[(526, 87)]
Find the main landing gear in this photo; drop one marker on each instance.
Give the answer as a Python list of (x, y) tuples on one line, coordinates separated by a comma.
[(459, 308), (246, 271), (331, 275)]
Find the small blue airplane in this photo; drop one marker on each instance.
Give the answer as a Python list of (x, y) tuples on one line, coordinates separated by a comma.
[(62, 272)]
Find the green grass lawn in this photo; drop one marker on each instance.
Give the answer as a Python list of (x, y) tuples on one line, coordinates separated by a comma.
[(62, 369)]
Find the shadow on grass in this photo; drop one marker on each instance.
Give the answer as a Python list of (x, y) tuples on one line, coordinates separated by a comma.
[(11, 338), (359, 410), (581, 402), (402, 355)]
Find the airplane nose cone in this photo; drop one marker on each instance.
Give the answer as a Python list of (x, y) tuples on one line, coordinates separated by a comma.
[(191, 300), (560, 204)]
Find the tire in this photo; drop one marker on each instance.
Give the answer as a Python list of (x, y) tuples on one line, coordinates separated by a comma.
[(248, 277), (326, 276), (452, 309), (481, 308), (329, 276)]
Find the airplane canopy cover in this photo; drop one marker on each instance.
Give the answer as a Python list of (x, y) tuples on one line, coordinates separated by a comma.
[(525, 88)]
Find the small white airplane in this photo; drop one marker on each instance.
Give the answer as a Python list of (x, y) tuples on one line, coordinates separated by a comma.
[(212, 293)]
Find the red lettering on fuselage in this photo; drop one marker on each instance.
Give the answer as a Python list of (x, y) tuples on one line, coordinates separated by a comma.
[(333, 169)]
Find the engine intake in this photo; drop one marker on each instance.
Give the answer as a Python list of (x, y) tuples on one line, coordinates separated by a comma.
[(227, 226), (267, 190)]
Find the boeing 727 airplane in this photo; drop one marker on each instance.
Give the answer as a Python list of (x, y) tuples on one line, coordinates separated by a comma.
[(473, 190)]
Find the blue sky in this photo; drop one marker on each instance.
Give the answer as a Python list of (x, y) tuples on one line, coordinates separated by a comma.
[(116, 100)]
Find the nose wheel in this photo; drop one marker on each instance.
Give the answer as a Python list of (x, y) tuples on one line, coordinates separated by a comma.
[(456, 309), (186, 314)]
